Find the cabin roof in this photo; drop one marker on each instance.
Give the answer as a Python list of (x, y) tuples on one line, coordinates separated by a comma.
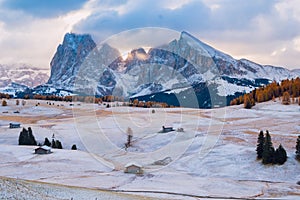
[(133, 164), (44, 147), (14, 123)]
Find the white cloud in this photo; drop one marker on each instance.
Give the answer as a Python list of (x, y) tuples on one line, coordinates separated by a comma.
[(253, 29), (296, 43), (27, 39)]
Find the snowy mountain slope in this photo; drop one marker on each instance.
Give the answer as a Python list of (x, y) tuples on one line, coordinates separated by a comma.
[(186, 62), (19, 77), (211, 175), (22, 74), (68, 57)]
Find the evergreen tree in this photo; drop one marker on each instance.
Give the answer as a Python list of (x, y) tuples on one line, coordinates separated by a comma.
[(31, 139), (74, 147), (280, 155), (298, 148), (22, 137), (26, 137), (260, 145), (47, 142), (53, 144), (268, 150), (58, 144)]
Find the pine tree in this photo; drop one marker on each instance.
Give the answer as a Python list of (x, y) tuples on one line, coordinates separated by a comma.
[(298, 148), (47, 142), (260, 145), (74, 147), (22, 137), (58, 144), (280, 155), (268, 150), (31, 139), (53, 144)]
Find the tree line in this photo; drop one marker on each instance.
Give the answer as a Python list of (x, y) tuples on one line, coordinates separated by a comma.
[(4, 96), (287, 90), (96, 100)]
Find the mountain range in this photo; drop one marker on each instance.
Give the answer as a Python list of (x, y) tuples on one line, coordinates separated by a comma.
[(185, 72), (19, 77)]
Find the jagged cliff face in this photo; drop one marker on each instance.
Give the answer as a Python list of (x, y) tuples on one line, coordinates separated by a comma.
[(80, 66), (68, 59)]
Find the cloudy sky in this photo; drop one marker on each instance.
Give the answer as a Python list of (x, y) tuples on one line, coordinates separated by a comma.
[(265, 31)]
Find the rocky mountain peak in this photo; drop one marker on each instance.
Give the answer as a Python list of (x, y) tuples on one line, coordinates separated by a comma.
[(69, 56), (185, 65)]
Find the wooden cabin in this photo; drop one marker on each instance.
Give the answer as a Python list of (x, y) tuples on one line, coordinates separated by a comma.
[(14, 125), (43, 150), (133, 168), (167, 129)]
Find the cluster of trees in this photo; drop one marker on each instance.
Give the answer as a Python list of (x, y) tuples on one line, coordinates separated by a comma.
[(52, 97), (18, 102), (266, 152), (55, 144), (148, 104), (287, 89), (4, 96), (86, 99), (93, 99), (4, 102), (26, 137)]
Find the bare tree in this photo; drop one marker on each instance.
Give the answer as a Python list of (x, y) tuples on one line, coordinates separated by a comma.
[(129, 137)]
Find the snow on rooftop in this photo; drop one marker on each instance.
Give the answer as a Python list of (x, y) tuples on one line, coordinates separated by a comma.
[(133, 164), (45, 147)]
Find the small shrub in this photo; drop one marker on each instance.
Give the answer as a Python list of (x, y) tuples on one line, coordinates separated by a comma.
[(4, 103)]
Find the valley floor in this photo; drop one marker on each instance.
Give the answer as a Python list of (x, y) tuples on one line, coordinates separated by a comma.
[(213, 158)]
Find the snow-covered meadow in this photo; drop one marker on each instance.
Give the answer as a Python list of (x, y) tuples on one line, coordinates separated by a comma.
[(214, 156)]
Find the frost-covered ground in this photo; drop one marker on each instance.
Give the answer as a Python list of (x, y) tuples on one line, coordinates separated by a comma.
[(214, 156)]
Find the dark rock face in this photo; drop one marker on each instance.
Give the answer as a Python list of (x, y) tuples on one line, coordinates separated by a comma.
[(68, 58)]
